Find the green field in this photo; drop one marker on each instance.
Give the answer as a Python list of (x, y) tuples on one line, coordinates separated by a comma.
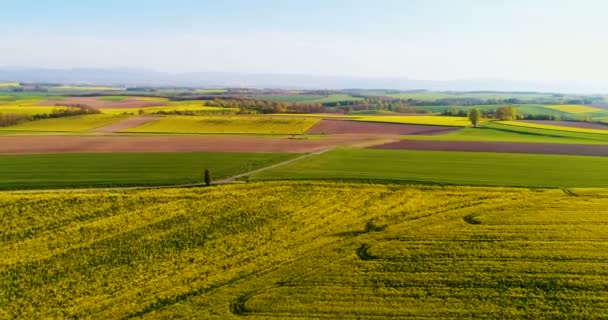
[(67, 124), (227, 125), (496, 132), (112, 98), (124, 169), (546, 132), (554, 127), (437, 167), (424, 120), (305, 251), (15, 96)]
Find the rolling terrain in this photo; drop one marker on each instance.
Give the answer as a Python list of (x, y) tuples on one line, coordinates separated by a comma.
[(339, 213)]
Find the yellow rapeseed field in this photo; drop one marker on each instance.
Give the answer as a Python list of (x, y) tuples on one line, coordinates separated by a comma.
[(227, 124), (425, 120), (572, 108), (67, 124), (305, 251)]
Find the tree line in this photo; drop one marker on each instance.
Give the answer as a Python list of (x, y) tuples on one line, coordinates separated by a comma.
[(70, 111)]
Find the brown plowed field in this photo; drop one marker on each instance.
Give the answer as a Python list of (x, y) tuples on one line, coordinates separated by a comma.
[(332, 126), (75, 144), (95, 102), (125, 124), (508, 147), (573, 124)]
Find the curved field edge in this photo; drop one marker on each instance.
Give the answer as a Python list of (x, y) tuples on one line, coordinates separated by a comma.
[(447, 167), (304, 250)]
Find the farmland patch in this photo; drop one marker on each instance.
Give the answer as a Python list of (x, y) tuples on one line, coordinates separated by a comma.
[(503, 147), (329, 126), (303, 250), (230, 125)]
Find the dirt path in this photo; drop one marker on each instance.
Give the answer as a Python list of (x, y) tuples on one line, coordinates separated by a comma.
[(125, 124), (233, 179)]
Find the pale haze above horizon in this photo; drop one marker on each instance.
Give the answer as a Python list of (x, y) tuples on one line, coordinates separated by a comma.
[(536, 40)]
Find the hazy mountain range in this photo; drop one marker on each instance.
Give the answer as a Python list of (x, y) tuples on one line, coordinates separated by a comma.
[(140, 77)]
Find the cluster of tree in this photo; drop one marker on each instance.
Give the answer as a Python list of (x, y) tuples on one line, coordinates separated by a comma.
[(452, 112), (193, 112), (12, 119), (541, 117), (385, 104), (69, 111), (469, 101), (505, 113), (246, 106)]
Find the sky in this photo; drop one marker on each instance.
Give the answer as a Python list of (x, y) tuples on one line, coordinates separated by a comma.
[(526, 40)]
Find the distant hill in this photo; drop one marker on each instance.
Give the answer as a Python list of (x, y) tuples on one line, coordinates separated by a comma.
[(139, 77)]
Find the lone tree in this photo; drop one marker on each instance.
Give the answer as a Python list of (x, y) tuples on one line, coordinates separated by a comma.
[(207, 177), (474, 116)]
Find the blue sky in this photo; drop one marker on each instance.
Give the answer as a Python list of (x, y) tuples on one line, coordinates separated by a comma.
[(536, 40)]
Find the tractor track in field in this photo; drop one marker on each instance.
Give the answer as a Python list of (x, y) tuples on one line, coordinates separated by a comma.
[(234, 179)]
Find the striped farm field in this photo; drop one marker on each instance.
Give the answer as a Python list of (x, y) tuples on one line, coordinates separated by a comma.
[(495, 132), (447, 168), (425, 120), (67, 124), (94, 170), (553, 127), (305, 250), (573, 108), (227, 125)]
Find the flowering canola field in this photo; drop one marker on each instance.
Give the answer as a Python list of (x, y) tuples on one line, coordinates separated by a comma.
[(305, 251)]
